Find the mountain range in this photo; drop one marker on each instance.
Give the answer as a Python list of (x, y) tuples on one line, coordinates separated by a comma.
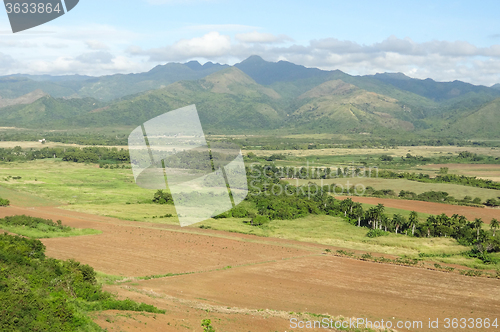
[(256, 96)]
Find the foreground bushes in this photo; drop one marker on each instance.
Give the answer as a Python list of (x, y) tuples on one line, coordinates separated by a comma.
[(33, 222), (44, 294)]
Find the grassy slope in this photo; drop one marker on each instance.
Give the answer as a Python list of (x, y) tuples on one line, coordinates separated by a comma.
[(485, 122)]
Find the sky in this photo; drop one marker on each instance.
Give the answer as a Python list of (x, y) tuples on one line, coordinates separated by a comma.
[(443, 40)]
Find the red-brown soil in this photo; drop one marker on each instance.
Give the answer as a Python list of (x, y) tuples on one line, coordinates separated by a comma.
[(265, 273), (469, 212)]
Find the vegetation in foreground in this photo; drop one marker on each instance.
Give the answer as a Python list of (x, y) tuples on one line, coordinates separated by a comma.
[(40, 228), (38, 293), (4, 202)]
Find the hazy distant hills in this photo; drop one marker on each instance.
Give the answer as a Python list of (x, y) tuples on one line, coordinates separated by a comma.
[(256, 96), (106, 87)]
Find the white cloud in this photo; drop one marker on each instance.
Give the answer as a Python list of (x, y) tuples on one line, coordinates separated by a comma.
[(211, 45), (95, 57), (96, 45), (7, 62), (96, 49), (259, 37)]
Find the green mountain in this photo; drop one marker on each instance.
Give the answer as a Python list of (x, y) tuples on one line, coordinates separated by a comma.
[(105, 88), (46, 112), (339, 107), (226, 100), (23, 100), (230, 101), (256, 96), (482, 123), (116, 86), (436, 91), (12, 87)]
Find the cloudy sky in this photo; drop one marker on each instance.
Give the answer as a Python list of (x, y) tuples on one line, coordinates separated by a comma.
[(444, 40)]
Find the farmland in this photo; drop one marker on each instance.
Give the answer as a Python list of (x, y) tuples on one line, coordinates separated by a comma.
[(245, 271), (162, 265)]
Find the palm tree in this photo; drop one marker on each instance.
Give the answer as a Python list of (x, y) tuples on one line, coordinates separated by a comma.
[(357, 212), (371, 215), (477, 225), (386, 222), (346, 205), (413, 221), (494, 225), (379, 209), (398, 221)]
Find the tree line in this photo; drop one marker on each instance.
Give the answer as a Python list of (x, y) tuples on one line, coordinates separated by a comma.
[(271, 198), (100, 155)]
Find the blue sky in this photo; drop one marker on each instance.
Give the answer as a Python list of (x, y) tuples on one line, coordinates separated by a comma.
[(443, 40)]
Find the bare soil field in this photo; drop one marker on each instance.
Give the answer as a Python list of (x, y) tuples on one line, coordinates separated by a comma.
[(135, 249), (432, 208), (237, 277), (339, 286), (425, 151)]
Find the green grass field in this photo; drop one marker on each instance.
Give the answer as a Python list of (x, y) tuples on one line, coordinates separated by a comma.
[(397, 185), (24, 199), (73, 183)]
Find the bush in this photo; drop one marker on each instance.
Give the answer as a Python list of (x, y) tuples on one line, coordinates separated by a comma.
[(4, 202), (207, 327), (44, 225), (376, 233), (45, 294), (161, 197), (492, 202), (258, 220)]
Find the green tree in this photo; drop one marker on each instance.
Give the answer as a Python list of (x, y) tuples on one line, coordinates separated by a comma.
[(478, 222), (443, 170), (477, 200), (4, 202), (494, 225), (357, 212), (379, 214), (413, 221), (346, 205), (398, 221)]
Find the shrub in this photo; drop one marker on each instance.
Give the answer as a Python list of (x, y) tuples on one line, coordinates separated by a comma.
[(376, 233), (258, 220), (4, 202), (161, 197), (492, 202), (206, 325)]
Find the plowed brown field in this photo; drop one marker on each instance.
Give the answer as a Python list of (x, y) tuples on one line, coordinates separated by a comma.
[(237, 277)]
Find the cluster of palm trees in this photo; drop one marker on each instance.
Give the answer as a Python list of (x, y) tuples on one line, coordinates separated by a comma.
[(376, 218), (456, 226)]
